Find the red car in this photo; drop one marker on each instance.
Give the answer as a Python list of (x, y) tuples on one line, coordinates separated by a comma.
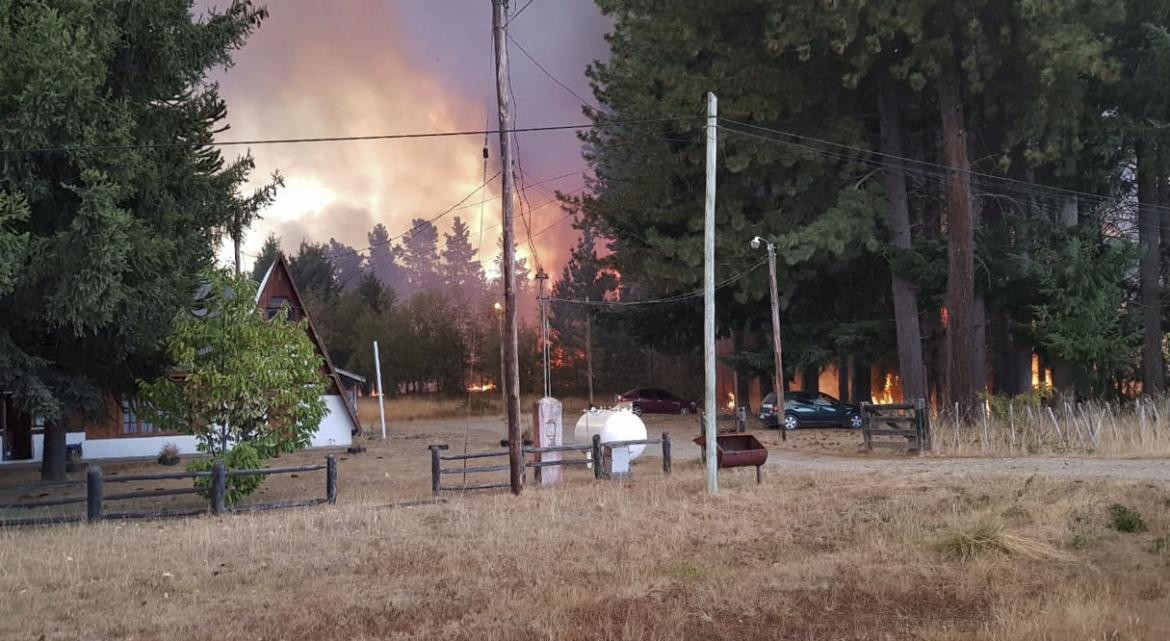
[(648, 400)]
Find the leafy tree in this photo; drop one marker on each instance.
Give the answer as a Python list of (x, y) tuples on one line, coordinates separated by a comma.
[(269, 252), (113, 241), (239, 380)]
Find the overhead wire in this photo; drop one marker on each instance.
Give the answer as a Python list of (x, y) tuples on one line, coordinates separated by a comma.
[(666, 299), (332, 139), (915, 167)]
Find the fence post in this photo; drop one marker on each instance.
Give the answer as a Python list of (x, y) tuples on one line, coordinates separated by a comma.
[(866, 412), (666, 453), (331, 479), (434, 469), (218, 487), (93, 493), (597, 462), (923, 424)]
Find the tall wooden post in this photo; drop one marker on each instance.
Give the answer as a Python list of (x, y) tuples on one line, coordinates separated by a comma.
[(589, 351), (709, 407), (778, 384), (511, 361)]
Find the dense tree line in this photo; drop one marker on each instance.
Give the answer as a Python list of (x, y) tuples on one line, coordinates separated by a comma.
[(111, 198), (951, 186)]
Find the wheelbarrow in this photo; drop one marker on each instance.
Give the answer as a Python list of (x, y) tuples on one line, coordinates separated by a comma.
[(736, 450)]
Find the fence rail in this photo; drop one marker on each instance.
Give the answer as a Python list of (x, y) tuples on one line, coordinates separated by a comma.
[(95, 497), (597, 451), (910, 421)]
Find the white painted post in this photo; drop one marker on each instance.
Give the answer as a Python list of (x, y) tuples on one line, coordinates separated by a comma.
[(381, 399), (709, 407), (548, 431)]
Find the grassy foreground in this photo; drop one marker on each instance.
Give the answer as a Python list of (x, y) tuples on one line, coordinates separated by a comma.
[(800, 557)]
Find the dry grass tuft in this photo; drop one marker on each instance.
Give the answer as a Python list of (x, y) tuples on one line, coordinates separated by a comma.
[(986, 536)]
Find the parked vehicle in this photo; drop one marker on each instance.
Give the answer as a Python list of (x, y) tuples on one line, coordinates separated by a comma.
[(809, 409), (649, 400)]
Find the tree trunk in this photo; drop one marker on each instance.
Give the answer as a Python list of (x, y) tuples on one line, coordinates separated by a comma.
[(862, 382), (843, 379), (810, 379), (53, 452), (1149, 235), (910, 363), (960, 296)]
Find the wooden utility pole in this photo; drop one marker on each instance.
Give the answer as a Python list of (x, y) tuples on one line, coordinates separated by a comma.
[(511, 362), (589, 350), (778, 407), (710, 410)]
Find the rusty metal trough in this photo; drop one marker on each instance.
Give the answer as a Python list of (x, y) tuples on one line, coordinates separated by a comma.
[(736, 450)]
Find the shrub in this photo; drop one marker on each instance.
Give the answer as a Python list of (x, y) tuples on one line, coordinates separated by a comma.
[(1126, 519), (241, 457)]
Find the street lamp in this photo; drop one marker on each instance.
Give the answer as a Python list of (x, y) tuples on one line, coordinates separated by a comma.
[(779, 378)]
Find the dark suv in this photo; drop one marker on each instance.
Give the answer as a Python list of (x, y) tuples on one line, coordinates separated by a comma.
[(809, 409)]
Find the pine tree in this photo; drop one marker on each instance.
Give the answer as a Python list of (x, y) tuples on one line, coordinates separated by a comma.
[(421, 256), (384, 259), (462, 273), (269, 252), (120, 237)]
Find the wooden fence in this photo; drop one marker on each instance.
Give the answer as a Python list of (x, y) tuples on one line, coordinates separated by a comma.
[(95, 498), (598, 453), (910, 421)]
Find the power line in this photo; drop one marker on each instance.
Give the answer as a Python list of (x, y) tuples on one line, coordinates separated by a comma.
[(666, 299), (517, 14), (324, 139), (920, 168), (551, 76)]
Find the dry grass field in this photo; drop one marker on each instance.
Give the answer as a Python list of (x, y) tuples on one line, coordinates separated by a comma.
[(855, 555)]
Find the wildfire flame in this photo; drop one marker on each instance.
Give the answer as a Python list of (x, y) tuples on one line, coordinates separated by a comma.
[(886, 393), (730, 401), (486, 387)]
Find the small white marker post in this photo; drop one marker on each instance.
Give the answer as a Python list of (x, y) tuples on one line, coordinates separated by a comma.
[(381, 399)]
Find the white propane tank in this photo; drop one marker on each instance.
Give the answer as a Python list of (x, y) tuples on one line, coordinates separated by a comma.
[(590, 423), (624, 425)]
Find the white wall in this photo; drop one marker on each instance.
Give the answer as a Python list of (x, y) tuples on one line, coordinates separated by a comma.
[(335, 427), (141, 447), (334, 431)]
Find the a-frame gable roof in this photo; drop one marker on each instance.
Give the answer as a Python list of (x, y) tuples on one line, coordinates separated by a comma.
[(278, 281)]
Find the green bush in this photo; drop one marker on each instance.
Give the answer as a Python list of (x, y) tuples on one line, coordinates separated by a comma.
[(1126, 519), (241, 457)]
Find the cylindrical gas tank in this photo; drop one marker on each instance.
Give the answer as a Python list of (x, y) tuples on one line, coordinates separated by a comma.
[(590, 423), (624, 425)]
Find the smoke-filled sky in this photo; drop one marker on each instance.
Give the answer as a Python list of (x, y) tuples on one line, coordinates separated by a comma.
[(360, 67)]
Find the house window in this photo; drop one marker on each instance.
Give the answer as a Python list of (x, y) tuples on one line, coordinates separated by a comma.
[(274, 305), (131, 422)]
